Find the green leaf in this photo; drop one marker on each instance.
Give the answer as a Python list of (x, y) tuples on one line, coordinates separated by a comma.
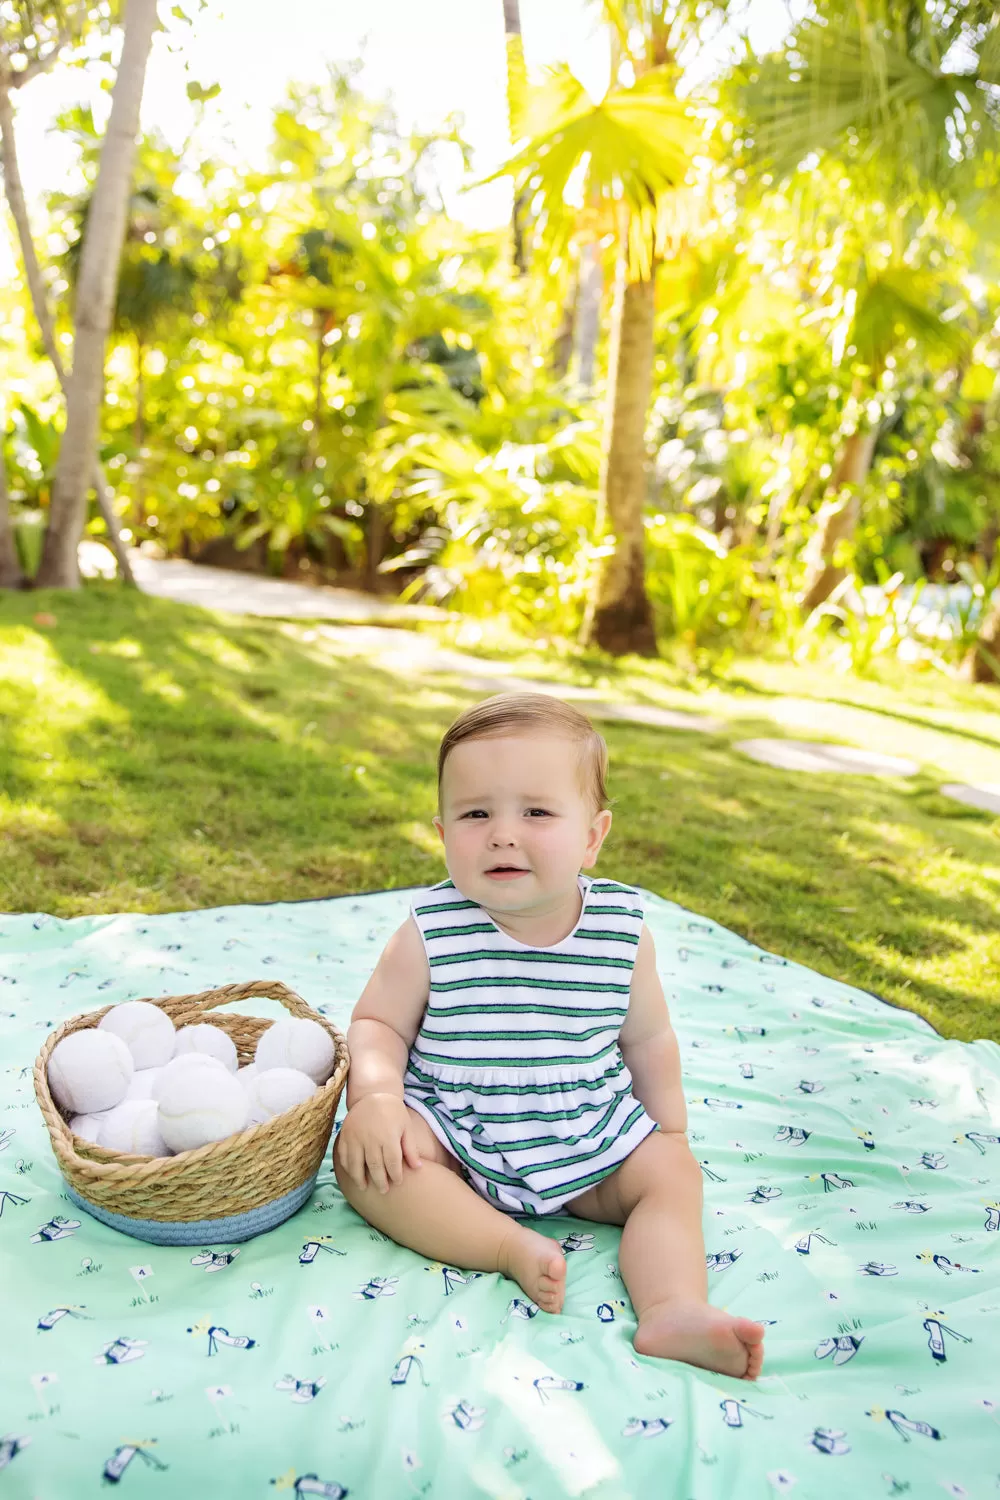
[(199, 93), (633, 147)]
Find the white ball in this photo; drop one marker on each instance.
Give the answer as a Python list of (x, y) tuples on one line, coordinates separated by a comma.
[(89, 1071), (133, 1127), (87, 1127), (210, 1039), (187, 1062), (278, 1089), (296, 1043), (141, 1086), (146, 1030), (192, 1115)]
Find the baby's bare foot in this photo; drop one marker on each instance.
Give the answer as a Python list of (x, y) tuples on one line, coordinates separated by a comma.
[(699, 1334), (537, 1265)]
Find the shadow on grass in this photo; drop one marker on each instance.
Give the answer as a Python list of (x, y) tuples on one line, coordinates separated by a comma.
[(882, 711), (196, 761)]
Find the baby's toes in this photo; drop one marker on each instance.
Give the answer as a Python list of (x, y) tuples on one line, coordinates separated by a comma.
[(755, 1361)]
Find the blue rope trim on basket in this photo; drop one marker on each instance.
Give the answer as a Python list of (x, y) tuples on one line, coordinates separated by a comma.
[(230, 1230)]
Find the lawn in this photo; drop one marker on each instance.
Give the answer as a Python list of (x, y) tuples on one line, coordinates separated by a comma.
[(156, 757)]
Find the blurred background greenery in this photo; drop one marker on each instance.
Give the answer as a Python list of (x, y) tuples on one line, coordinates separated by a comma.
[(727, 378)]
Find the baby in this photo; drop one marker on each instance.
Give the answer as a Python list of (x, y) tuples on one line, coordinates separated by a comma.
[(512, 1055)]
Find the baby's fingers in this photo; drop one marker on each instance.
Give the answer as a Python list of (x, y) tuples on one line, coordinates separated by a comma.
[(393, 1158), (352, 1160), (376, 1168), (411, 1150)]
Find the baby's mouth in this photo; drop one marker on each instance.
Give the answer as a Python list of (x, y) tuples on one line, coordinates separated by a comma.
[(507, 870)]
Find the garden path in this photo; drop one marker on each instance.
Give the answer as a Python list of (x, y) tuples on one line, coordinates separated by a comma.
[(362, 626)]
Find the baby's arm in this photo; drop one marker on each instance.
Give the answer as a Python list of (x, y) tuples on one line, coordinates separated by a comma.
[(384, 1025), (387, 1017), (649, 1044)]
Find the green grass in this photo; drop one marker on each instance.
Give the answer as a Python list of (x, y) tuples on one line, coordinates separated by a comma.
[(156, 757)]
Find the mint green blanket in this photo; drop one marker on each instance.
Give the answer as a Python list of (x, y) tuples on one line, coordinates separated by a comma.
[(852, 1175)]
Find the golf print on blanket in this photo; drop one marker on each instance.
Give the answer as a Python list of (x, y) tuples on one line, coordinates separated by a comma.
[(851, 1168)]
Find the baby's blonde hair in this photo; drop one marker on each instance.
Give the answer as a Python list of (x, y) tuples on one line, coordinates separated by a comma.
[(511, 713)]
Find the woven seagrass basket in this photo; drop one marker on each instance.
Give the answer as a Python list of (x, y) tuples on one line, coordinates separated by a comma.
[(221, 1193)]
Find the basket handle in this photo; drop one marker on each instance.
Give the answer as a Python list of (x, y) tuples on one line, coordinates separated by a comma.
[(267, 989)]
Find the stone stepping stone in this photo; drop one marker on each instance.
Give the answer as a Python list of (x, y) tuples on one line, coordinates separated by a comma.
[(809, 755), (984, 795), (661, 718)]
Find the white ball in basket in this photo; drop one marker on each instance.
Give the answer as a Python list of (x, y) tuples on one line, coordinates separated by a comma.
[(141, 1086), (295, 1042), (146, 1030), (211, 1039), (89, 1071), (187, 1062), (133, 1126), (196, 1108), (273, 1092), (87, 1127)]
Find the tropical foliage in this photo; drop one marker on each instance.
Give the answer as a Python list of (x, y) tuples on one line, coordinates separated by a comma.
[(730, 376)]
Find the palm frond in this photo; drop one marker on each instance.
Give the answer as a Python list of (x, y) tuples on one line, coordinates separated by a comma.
[(864, 88), (634, 146), (896, 304)]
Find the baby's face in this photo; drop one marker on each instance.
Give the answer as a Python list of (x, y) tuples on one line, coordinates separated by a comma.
[(516, 823)]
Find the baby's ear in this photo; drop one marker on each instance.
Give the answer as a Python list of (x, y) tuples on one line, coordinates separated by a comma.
[(599, 829), (440, 828)]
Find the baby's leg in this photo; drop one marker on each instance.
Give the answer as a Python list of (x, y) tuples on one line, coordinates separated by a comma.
[(656, 1193), (435, 1212)]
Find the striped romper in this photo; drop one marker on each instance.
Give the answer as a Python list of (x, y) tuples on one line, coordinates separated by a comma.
[(516, 1067)]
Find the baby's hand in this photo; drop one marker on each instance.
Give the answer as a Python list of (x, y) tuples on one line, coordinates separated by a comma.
[(375, 1140)]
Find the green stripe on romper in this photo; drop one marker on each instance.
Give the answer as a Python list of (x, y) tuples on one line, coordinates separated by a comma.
[(477, 1166), (540, 1115), (426, 911), (532, 1143), (501, 1008), (526, 982), (577, 1185), (599, 934), (518, 1036), (432, 1082), (538, 956), (499, 1062)]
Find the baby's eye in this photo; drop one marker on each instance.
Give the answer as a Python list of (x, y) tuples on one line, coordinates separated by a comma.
[(541, 811), (475, 812)]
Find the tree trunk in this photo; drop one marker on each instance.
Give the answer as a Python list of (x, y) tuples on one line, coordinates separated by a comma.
[(517, 87), (837, 519), (95, 296), (11, 576), (588, 315), (618, 616), (983, 662), (139, 432), (562, 344), (375, 545), (14, 192)]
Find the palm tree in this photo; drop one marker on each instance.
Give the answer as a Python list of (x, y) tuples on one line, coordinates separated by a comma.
[(11, 576), (51, 29), (155, 279), (867, 86), (634, 148), (95, 297), (517, 89)]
